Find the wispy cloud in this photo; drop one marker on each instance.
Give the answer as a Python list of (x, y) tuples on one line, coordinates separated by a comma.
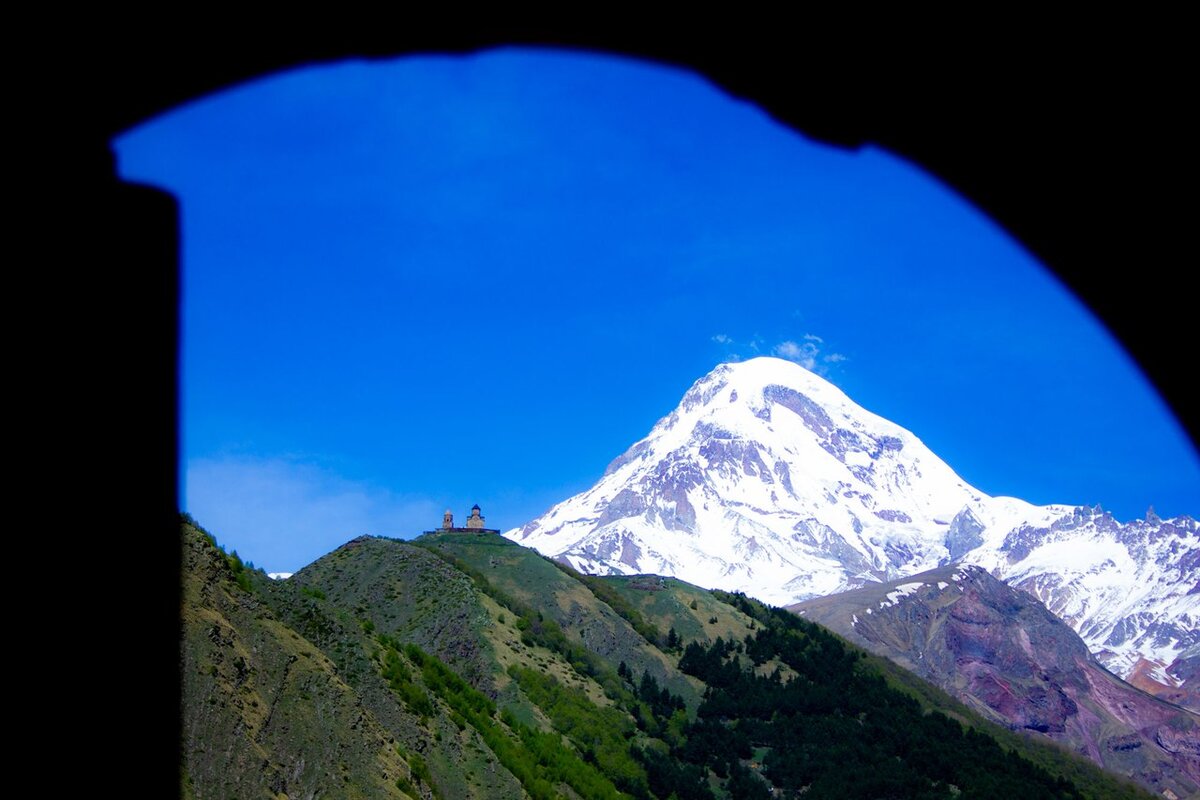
[(802, 354), (809, 352), (282, 514)]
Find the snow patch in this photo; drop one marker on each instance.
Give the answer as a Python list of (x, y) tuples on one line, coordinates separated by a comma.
[(903, 590)]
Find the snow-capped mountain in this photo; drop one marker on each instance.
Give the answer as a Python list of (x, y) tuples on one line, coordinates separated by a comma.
[(768, 479), (1131, 591)]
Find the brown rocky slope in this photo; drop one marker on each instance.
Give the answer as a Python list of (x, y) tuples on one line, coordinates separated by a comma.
[(1001, 651)]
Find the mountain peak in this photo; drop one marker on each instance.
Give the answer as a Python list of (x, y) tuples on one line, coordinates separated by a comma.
[(746, 380), (768, 479), (766, 369), (765, 473)]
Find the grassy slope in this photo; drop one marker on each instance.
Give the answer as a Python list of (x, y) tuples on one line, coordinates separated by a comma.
[(265, 712), (373, 586), (406, 592), (410, 594), (330, 614), (584, 618), (668, 603)]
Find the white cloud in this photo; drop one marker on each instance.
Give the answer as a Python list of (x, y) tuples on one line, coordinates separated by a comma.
[(808, 354), (283, 514), (803, 354), (788, 349)]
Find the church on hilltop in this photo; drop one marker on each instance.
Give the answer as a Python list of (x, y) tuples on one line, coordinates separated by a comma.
[(474, 523)]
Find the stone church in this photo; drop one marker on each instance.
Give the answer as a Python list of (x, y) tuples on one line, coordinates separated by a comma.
[(475, 523)]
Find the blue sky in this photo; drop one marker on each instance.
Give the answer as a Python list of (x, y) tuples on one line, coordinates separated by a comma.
[(443, 280)]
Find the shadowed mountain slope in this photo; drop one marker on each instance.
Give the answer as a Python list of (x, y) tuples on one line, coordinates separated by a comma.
[(1003, 653)]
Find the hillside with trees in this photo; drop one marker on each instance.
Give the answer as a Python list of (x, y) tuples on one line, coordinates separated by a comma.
[(466, 666)]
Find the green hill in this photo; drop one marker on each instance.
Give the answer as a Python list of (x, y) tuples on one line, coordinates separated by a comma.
[(265, 709), (466, 666)]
